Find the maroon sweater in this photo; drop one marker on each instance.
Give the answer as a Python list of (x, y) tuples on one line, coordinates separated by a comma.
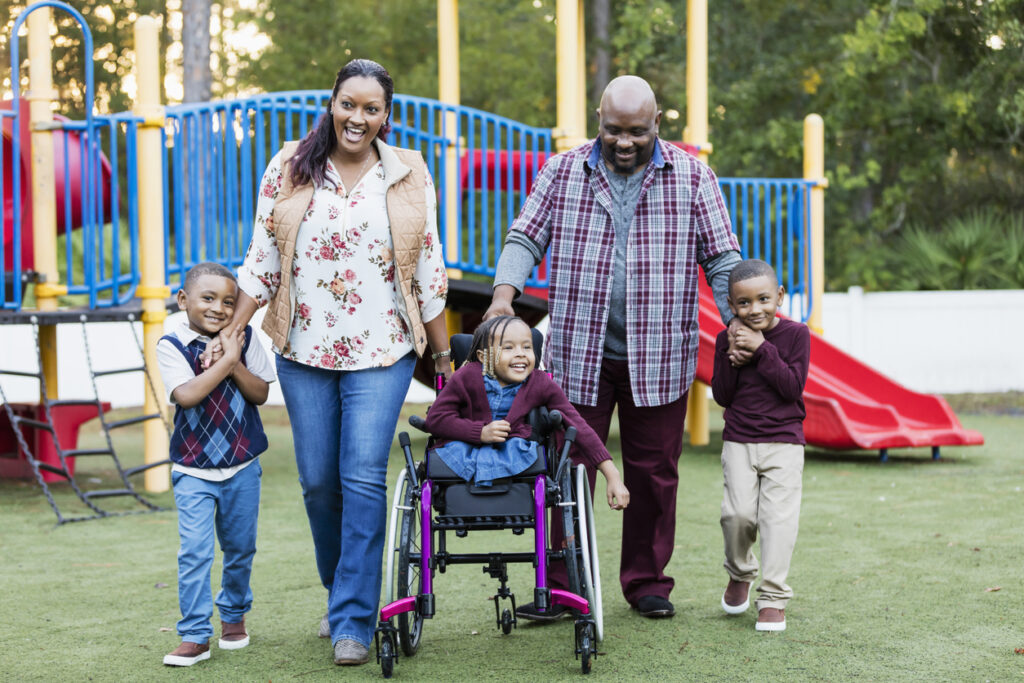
[(461, 411), (763, 399)]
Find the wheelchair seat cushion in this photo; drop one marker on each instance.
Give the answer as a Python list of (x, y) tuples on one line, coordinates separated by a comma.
[(437, 469)]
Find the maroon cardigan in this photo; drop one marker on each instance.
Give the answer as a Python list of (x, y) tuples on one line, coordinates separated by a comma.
[(461, 411)]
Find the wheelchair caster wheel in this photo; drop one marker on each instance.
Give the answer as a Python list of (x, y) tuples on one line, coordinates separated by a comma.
[(506, 622), (387, 656)]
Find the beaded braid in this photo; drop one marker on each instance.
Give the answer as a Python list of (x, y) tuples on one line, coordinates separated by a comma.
[(489, 330)]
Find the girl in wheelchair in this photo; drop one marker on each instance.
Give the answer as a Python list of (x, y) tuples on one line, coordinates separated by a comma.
[(479, 419)]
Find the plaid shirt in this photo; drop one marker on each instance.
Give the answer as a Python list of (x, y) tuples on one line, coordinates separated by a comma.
[(681, 221)]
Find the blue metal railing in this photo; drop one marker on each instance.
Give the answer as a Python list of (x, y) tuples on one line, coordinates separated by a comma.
[(215, 154), (769, 217), (87, 183), (209, 209)]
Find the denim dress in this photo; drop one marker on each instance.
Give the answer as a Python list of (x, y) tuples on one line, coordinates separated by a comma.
[(487, 462)]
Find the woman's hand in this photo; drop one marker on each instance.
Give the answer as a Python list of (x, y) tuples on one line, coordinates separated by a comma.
[(443, 366), (495, 432)]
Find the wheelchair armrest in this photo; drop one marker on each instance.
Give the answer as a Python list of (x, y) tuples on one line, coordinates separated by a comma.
[(418, 422)]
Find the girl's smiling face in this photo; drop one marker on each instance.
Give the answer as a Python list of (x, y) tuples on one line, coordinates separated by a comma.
[(513, 353)]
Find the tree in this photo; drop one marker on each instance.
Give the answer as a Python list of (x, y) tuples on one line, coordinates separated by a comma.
[(195, 41), (111, 25)]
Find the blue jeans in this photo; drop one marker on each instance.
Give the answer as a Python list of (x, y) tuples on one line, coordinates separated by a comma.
[(230, 507), (343, 423)]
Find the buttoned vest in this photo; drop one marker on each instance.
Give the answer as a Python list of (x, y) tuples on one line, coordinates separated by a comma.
[(405, 174)]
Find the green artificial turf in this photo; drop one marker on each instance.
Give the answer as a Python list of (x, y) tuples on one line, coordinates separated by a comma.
[(908, 570)]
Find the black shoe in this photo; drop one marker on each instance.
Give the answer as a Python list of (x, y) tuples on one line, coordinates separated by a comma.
[(530, 612), (654, 607)]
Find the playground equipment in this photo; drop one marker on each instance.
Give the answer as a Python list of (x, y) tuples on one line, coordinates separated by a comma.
[(189, 175), (69, 163), (44, 435)]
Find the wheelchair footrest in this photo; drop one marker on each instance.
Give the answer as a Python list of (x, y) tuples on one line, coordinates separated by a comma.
[(561, 597), (397, 607)]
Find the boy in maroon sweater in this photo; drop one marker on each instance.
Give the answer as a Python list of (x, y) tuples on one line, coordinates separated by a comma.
[(763, 453)]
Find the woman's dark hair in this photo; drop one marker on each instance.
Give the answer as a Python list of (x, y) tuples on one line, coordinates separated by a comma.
[(310, 160), (487, 332)]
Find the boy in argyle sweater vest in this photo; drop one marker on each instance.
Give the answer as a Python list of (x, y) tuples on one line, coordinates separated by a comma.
[(216, 477)]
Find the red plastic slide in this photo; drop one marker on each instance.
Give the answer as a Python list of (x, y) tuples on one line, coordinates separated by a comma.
[(850, 405)]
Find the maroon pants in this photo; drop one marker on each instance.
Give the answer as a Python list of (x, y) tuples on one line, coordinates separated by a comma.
[(652, 440)]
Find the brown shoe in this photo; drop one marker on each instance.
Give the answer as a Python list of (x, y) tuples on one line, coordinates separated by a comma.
[(188, 654), (233, 636), (771, 619), (736, 598)]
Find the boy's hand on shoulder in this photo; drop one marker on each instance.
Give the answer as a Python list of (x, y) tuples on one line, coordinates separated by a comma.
[(748, 339), (738, 357), (495, 432)]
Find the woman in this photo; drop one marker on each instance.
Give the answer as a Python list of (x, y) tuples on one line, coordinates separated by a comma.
[(345, 254)]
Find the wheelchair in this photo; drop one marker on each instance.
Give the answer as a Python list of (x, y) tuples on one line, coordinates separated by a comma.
[(430, 502)]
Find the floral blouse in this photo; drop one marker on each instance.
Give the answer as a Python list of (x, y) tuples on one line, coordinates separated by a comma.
[(343, 275)]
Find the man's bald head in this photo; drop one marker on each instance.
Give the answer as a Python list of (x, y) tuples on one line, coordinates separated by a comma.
[(629, 92), (629, 118)]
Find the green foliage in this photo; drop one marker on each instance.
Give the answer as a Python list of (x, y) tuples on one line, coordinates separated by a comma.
[(507, 49), (923, 108), (111, 24), (981, 249)]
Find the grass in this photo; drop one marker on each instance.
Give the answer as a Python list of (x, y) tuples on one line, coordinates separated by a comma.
[(908, 570)]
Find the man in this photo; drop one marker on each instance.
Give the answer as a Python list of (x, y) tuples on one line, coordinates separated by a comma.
[(628, 219)]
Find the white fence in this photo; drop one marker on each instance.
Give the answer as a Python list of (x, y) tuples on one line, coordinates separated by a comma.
[(935, 342)]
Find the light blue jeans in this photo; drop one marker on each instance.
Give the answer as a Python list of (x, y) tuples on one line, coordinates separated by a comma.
[(343, 423), (230, 508)]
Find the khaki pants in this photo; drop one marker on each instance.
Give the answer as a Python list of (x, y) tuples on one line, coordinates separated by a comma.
[(762, 493)]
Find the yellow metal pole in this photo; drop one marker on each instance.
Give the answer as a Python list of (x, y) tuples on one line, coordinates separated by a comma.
[(696, 134), (152, 288), (44, 208), (568, 133), (814, 169), (581, 67), (449, 92)]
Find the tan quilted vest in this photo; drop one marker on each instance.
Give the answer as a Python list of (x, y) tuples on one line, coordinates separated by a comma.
[(405, 174)]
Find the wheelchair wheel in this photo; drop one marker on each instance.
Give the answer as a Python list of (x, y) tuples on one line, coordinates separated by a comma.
[(391, 549), (591, 573), (586, 645), (387, 656), (407, 576), (570, 525)]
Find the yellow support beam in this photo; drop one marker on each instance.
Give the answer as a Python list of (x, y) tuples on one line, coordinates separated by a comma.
[(570, 128), (696, 134), (450, 92), (814, 169), (152, 289), (44, 206)]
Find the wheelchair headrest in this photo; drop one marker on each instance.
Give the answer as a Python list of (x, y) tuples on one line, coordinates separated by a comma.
[(461, 343)]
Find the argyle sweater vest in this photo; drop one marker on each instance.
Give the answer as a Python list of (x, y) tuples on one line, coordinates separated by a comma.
[(224, 429)]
